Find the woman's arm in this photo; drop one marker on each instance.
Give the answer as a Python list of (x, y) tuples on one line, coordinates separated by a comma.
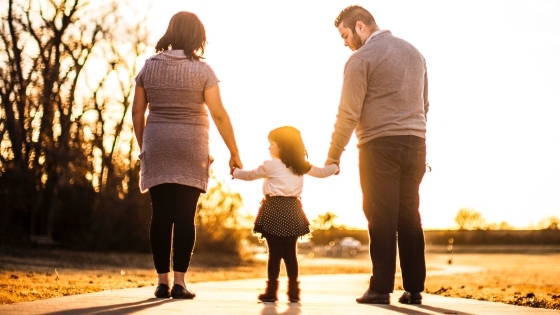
[(139, 106), (220, 117), (322, 172)]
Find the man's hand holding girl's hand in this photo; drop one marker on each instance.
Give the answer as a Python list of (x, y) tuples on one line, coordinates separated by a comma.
[(331, 161)]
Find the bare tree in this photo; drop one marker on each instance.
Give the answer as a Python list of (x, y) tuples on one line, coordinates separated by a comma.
[(469, 219), (66, 71), (550, 223), (325, 221)]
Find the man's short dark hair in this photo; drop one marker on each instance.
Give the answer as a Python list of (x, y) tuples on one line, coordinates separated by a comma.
[(352, 14)]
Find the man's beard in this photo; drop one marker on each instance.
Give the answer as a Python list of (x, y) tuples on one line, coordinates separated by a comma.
[(356, 41)]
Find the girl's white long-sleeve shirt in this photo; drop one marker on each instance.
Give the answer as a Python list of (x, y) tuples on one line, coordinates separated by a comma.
[(280, 180)]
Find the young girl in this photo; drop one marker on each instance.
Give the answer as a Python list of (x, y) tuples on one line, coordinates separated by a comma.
[(281, 219)]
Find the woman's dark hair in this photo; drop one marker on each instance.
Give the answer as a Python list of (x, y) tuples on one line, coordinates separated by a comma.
[(292, 149), (186, 32)]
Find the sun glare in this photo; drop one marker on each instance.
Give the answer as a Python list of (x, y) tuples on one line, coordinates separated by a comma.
[(287, 67)]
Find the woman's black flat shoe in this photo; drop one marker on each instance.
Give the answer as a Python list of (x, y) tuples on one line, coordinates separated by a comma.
[(178, 292), (162, 291)]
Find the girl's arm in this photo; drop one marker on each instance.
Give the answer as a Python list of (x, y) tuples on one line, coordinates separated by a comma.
[(322, 172), (259, 172)]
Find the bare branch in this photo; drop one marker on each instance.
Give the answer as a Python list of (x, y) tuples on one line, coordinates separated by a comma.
[(30, 28)]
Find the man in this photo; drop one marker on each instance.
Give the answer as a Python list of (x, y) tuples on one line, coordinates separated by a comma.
[(385, 100)]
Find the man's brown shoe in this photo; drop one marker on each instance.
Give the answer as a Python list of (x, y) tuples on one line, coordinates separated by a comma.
[(372, 297), (411, 298)]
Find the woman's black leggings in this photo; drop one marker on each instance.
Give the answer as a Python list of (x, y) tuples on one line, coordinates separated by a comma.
[(279, 248), (173, 211)]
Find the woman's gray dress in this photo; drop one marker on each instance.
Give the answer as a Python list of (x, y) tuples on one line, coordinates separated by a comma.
[(175, 144)]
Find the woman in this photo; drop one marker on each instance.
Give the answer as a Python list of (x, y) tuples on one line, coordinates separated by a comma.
[(173, 140)]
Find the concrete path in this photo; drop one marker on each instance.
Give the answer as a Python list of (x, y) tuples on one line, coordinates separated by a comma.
[(321, 295)]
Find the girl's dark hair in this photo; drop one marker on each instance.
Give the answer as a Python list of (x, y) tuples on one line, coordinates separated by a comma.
[(186, 32), (292, 149)]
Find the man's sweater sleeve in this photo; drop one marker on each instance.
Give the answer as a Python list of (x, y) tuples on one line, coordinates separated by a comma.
[(259, 172), (426, 101), (354, 89)]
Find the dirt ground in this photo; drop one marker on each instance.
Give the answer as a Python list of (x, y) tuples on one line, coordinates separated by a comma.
[(529, 279)]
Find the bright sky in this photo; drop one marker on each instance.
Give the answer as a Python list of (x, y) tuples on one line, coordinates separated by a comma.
[(494, 77)]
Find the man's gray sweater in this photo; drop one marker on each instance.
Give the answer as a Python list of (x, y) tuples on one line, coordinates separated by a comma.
[(384, 93)]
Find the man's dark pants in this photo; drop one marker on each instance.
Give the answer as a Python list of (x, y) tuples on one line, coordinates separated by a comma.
[(391, 169)]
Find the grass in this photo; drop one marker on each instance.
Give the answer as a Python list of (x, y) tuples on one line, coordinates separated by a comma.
[(519, 279), (27, 275)]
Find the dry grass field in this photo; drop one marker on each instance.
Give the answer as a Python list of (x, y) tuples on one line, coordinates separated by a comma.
[(513, 278), (26, 275)]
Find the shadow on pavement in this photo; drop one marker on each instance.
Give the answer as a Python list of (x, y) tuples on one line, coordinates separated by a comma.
[(273, 309), (403, 310), (124, 308), (442, 310)]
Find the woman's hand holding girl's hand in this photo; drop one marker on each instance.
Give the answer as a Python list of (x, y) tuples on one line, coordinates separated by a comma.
[(234, 162)]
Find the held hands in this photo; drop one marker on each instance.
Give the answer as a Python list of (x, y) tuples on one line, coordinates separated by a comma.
[(330, 161), (234, 162)]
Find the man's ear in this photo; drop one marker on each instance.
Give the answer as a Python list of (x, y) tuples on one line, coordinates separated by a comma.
[(360, 27)]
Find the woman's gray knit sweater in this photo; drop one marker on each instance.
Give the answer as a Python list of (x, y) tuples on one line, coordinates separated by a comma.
[(175, 142)]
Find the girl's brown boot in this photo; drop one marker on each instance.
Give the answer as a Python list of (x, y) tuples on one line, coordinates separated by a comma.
[(271, 292), (293, 291)]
